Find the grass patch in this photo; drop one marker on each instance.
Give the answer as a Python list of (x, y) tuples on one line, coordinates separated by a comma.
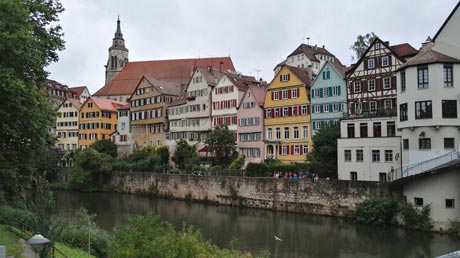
[(11, 241), (71, 252)]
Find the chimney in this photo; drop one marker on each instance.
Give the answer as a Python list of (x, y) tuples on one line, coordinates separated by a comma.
[(427, 41), (323, 46), (221, 65), (316, 47)]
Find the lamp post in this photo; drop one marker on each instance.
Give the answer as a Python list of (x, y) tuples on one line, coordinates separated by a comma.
[(38, 242)]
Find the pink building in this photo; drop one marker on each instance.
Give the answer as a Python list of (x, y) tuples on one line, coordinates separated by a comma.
[(250, 125)]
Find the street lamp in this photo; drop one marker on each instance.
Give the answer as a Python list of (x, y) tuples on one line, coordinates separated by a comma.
[(37, 242)]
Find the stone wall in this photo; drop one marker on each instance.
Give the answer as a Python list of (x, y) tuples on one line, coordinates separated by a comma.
[(335, 198)]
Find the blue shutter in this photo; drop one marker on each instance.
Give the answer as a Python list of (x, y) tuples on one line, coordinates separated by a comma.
[(321, 108), (320, 93), (330, 91), (340, 106), (314, 125), (339, 90), (331, 107)]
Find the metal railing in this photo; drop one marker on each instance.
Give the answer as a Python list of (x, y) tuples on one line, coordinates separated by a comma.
[(418, 168)]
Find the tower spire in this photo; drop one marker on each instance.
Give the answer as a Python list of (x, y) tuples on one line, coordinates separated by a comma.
[(118, 34)]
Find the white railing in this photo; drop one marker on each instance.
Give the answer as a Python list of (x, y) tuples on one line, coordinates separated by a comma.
[(423, 166)]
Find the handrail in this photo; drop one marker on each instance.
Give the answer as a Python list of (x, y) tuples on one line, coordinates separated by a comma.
[(423, 166)]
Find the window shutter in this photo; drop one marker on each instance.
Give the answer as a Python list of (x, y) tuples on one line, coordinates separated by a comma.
[(321, 109), (281, 78), (290, 111), (289, 76), (273, 112), (214, 121), (273, 93), (292, 149), (287, 150), (393, 82), (280, 112), (378, 84), (330, 91), (214, 106), (301, 149), (289, 94), (339, 90), (314, 125), (308, 109), (321, 93), (378, 61), (365, 64), (279, 149), (389, 60), (298, 110)]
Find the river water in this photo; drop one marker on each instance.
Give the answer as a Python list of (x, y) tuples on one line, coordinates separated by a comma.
[(302, 235)]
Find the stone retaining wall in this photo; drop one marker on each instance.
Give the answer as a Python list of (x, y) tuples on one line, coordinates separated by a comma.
[(335, 198)]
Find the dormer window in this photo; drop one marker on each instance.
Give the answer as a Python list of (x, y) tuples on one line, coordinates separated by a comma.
[(284, 77), (197, 79)]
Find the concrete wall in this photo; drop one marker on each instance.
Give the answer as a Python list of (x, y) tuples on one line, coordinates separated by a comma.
[(335, 198)]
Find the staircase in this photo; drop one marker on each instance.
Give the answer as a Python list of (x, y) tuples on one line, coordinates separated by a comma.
[(424, 166)]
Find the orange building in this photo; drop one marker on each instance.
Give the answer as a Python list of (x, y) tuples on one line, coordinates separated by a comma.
[(98, 120)]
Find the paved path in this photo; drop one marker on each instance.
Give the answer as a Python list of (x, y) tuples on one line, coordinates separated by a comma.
[(27, 250)]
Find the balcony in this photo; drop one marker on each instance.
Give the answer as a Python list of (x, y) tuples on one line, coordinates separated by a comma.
[(372, 114)]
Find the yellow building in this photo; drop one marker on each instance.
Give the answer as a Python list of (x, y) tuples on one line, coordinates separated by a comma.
[(287, 115), (149, 103), (98, 120)]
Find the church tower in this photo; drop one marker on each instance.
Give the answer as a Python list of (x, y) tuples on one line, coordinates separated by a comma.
[(118, 55)]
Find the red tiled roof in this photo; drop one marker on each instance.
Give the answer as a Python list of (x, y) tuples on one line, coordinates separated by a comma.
[(124, 106), (168, 88), (301, 73), (107, 104), (404, 50), (75, 102), (79, 90), (242, 82), (311, 51), (175, 70)]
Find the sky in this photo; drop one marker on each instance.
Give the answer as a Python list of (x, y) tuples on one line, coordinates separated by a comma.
[(256, 34)]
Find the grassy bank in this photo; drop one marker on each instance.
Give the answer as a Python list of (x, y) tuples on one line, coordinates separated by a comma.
[(11, 241)]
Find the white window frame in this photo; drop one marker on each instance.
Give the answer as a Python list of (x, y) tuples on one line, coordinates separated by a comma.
[(371, 85), (357, 87), (317, 108), (294, 93), (386, 81), (285, 94), (326, 108), (335, 107), (285, 77), (325, 92), (284, 150), (370, 63), (305, 149), (276, 95), (305, 132), (385, 61), (335, 91), (296, 149), (295, 132), (303, 110), (285, 112), (373, 106)]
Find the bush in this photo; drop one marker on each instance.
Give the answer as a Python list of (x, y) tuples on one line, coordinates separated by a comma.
[(415, 218), (237, 163), (72, 229), (378, 211), (257, 170), (16, 217)]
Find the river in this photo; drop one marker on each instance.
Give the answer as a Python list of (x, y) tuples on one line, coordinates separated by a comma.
[(307, 236)]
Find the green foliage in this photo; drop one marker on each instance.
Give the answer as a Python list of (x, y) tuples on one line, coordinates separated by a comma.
[(147, 237), (91, 169), (415, 218), (257, 170), (267, 169), (324, 155), (361, 44), (221, 143), (238, 162), (185, 156), (378, 211), (147, 159), (454, 227), (105, 146), (42, 205), (74, 229), (11, 241), (16, 217), (29, 41)]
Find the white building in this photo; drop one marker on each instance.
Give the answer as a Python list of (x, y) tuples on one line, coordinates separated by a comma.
[(123, 136), (67, 128), (368, 148)]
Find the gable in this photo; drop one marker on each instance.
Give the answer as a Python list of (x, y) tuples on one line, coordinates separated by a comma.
[(285, 78), (447, 39)]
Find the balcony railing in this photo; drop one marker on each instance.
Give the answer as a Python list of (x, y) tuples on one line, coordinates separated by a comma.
[(424, 166), (372, 114)]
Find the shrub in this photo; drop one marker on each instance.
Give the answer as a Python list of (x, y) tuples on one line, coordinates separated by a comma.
[(237, 163), (415, 218), (377, 211), (16, 217), (257, 170), (454, 227)]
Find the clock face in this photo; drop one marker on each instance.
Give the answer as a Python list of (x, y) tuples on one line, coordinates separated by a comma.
[(113, 52)]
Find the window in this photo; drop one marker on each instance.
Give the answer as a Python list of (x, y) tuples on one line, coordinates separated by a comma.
[(449, 108), (357, 87), (326, 75), (448, 75), (286, 132), (296, 149), (350, 130), (387, 83), (276, 95), (90, 104), (418, 202), (304, 110), (316, 93), (197, 79), (363, 130), (403, 81), (317, 109), (335, 107), (388, 155), (385, 61), (284, 150), (269, 133), (268, 113), (370, 63), (347, 155), (278, 133), (391, 129), (377, 129), (422, 77), (285, 94), (276, 112), (305, 132), (423, 109), (305, 149), (371, 85), (375, 155), (382, 177), (449, 143), (359, 155), (405, 144), (285, 77), (450, 203), (294, 93), (335, 90), (285, 111), (388, 104), (424, 143), (326, 108), (354, 176), (403, 112), (295, 130), (373, 106)]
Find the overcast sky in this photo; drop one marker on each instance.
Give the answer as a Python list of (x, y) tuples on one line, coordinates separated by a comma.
[(257, 34)]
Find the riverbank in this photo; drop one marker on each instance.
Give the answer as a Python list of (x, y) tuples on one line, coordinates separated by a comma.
[(324, 197)]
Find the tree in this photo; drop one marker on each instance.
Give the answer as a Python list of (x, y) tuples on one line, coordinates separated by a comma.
[(29, 41), (221, 143), (185, 156), (91, 169), (324, 155), (361, 44), (105, 146)]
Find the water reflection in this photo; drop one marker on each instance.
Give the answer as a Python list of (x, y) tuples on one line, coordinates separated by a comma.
[(303, 235)]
